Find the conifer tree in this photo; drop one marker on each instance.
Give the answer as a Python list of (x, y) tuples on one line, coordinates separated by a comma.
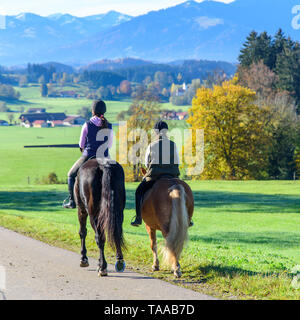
[(247, 55)]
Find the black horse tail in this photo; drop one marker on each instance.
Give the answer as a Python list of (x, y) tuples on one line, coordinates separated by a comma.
[(110, 218)]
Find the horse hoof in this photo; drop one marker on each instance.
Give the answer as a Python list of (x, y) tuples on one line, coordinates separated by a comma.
[(84, 263), (178, 274), (155, 268), (102, 273), (120, 266)]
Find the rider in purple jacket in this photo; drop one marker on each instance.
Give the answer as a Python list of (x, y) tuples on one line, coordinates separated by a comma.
[(89, 145)]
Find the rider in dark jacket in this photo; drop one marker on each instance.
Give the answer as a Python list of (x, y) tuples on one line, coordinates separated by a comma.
[(162, 159), (89, 145)]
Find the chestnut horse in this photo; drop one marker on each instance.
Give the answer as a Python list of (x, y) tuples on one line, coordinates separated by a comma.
[(100, 194), (168, 207)]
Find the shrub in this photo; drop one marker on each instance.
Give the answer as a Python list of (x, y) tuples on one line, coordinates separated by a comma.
[(50, 179)]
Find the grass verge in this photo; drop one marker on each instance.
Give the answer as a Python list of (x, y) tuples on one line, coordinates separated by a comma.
[(244, 244)]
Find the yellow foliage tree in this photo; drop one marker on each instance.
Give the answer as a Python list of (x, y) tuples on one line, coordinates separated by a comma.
[(234, 127), (145, 112)]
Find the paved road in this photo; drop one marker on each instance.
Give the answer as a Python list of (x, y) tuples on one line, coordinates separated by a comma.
[(35, 270)]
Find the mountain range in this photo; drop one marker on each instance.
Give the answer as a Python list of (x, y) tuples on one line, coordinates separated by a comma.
[(191, 30)]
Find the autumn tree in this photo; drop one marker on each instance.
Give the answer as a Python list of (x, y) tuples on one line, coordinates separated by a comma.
[(162, 78), (260, 79), (234, 128), (125, 87), (144, 112)]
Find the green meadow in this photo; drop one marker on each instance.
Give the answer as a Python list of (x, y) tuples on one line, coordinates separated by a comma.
[(244, 244), (246, 237)]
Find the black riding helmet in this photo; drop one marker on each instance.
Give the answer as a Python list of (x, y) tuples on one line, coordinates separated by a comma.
[(99, 108), (161, 125)]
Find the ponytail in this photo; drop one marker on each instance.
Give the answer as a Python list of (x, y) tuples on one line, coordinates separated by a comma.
[(104, 122)]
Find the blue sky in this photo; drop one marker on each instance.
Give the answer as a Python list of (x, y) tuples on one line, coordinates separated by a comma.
[(85, 7)]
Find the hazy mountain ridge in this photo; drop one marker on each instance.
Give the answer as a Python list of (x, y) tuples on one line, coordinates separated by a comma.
[(32, 38), (208, 30), (117, 64)]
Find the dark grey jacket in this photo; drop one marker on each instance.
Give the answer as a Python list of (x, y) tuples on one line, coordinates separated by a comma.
[(163, 159)]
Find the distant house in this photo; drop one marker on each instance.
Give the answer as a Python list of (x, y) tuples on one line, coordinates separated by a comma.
[(74, 121), (182, 115), (173, 115), (30, 118), (36, 110), (40, 124), (26, 124), (169, 115), (69, 94), (54, 94), (57, 123), (4, 123)]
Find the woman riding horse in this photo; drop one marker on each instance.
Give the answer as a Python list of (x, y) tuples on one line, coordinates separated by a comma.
[(89, 145), (161, 160)]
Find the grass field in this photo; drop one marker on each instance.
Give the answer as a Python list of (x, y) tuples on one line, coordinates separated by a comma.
[(244, 243)]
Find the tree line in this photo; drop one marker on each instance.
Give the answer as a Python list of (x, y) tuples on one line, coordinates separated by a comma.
[(281, 56), (252, 123), (164, 80)]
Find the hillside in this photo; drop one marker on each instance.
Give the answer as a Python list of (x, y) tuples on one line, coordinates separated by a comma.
[(108, 64), (31, 38), (208, 30)]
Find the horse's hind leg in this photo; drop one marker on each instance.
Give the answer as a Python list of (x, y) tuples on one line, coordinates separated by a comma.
[(100, 240), (82, 216), (177, 271), (120, 264), (152, 235)]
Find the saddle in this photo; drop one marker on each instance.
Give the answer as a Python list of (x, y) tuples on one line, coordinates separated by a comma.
[(165, 176)]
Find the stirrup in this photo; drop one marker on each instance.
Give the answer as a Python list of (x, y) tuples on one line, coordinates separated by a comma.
[(134, 223), (68, 205)]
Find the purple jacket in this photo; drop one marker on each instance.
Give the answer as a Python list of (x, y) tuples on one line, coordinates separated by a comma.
[(84, 134)]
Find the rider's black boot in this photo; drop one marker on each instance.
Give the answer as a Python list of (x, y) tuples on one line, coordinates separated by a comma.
[(138, 218), (137, 222), (69, 203)]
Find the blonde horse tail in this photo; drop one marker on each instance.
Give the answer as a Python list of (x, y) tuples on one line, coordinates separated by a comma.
[(178, 228)]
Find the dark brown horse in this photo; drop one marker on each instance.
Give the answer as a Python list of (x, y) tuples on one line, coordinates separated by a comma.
[(100, 194), (168, 207)]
